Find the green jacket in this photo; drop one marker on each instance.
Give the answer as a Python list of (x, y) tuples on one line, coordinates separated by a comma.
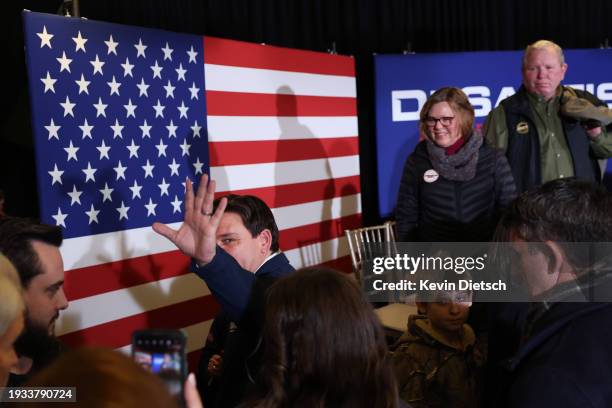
[(432, 373)]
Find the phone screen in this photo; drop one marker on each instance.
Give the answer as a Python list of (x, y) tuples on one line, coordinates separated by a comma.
[(162, 352)]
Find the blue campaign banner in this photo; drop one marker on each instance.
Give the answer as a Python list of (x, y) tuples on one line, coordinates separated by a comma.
[(403, 83)]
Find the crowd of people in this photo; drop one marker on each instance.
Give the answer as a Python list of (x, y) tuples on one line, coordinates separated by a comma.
[(310, 338)]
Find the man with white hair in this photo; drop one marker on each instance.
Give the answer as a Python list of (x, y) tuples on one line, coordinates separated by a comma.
[(541, 136)]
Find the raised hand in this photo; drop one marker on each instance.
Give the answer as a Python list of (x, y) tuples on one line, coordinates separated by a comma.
[(196, 238)]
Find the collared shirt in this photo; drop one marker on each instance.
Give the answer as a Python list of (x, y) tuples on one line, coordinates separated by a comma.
[(266, 260), (555, 158)]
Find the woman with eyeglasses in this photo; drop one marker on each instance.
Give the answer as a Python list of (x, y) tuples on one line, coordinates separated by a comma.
[(454, 185)]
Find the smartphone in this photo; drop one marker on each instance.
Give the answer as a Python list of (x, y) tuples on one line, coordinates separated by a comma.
[(162, 352)]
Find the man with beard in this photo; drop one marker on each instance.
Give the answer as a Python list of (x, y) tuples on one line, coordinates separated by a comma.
[(34, 250)]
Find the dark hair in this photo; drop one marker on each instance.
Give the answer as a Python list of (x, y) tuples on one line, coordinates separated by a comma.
[(324, 345), (16, 235), (255, 214), (460, 104), (104, 378), (564, 211)]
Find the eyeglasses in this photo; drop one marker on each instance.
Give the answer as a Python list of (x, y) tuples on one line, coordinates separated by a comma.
[(444, 120)]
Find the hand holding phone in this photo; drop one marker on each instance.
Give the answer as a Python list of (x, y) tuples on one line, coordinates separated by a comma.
[(162, 352)]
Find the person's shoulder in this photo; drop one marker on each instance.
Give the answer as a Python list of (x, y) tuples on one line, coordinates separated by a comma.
[(420, 151)]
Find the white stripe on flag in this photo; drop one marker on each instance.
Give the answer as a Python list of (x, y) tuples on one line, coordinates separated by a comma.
[(248, 176), (313, 212), (256, 128), (258, 80)]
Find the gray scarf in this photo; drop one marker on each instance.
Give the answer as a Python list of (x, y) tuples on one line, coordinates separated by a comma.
[(461, 166)]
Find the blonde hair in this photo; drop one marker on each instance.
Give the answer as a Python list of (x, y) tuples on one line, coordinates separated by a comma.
[(11, 298), (544, 45)]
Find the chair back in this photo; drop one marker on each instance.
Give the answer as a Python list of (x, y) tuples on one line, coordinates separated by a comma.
[(358, 240)]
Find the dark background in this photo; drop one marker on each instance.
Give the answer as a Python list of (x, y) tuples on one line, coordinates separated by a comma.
[(355, 27)]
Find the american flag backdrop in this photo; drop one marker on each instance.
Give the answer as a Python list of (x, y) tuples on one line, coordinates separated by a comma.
[(122, 115)]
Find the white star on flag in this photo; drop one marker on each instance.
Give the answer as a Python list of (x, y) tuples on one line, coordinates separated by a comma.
[(112, 46), (130, 109), (123, 210), (161, 148), (103, 149), (174, 168), (136, 190), (89, 173), (148, 168), (53, 129), (192, 55), (92, 214), (180, 72), (194, 91), (156, 70), (150, 207), (114, 86), (100, 108), (146, 129), (169, 90), (133, 148), (117, 128), (106, 193), (142, 87), (83, 85), (198, 166), (49, 83), (97, 65), (56, 175), (60, 218), (196, 129), (120, 170), (68, 106), (163, 187), (75, 196), (176, 205), (127, 68), (167, 52), (72, 152), (159, 109), (182, 110), (86, 128), (80, 42), (171, 129), (64, 62), (140, 49), (45, 38)]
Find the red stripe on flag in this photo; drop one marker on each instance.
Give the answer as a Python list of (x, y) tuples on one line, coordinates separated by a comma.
[(242, 54), (118, 333), (94, 280), (220, 103), (299, 193), (314, 233), (268, 151)]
